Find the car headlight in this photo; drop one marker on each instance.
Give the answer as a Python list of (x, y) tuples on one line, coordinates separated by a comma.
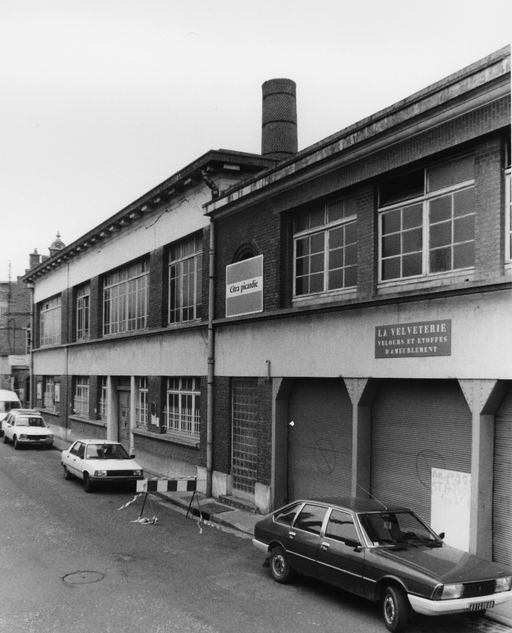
[(100, 473), (503, 584), (137, 473), (23, 436), (452, 591)]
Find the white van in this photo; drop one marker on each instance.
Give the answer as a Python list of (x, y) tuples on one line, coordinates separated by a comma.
[(8, 400)]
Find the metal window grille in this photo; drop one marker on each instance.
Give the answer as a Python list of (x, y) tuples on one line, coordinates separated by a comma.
[(125, 299), (185, 280), (50, 322), (81, 397), (141, 406), (183, 410)]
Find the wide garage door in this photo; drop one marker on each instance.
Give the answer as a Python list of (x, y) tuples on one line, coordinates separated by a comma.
[(502, 501), (319, 439), (417, 425)]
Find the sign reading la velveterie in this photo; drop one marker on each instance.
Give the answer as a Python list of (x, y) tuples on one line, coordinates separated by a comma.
[(424, 338), (244, 287)]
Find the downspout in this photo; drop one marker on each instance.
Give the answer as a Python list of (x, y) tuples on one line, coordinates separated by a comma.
[(210, 341), (31, 400)]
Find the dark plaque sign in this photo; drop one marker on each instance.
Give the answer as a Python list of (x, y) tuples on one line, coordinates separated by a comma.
[(404, 340)]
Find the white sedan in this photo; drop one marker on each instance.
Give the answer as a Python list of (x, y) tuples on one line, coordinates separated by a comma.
[(100, 461), (26, 427)]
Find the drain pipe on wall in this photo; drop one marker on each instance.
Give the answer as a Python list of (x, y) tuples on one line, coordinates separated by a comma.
[(211, 340)]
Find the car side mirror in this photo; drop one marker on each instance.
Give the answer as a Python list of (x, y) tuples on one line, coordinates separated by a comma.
[(351, 543), (132, 456), (442, 535)]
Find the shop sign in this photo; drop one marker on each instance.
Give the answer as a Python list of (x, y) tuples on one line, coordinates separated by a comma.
[(244, 287), (22, 360), (423, 338)]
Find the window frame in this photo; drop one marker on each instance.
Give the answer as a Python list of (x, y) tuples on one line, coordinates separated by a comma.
[(50, 321), (178, 261), (508, 217), (123, 288), (83, 312), (325, 229), (141, 402), (183, 425), (424, 200), (102, 397), (81, 395)]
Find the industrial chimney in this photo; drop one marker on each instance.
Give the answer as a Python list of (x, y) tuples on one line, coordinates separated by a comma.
[(279, 119)]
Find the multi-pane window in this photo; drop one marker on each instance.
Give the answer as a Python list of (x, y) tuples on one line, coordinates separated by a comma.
[(508, 211), (125, 299), (50, 393), (185, 280), (81, 396), (427, 221), (141, 402), (82, 312), (50, 321), (102, 403), (183, 411), (325, 248)]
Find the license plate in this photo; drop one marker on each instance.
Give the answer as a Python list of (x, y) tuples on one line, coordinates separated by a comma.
[(481, 606)]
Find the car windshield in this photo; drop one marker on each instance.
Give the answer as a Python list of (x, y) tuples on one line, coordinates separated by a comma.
[(398, 529), (106, 451), (26, 421)]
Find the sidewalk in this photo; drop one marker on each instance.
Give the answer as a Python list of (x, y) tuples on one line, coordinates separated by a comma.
[(499, 620)]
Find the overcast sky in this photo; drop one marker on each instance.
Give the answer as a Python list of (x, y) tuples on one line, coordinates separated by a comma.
[(104, 99)]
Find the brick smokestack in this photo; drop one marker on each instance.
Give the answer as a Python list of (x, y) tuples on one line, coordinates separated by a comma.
[(279, 119)]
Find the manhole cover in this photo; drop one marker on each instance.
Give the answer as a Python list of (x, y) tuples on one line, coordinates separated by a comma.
[(83, 577)]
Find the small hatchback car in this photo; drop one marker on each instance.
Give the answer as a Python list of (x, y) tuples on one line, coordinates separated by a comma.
[(388, 555), (26, 427), (99, 461)]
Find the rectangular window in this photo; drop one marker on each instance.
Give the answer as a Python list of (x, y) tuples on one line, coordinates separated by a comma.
[(141, 403), (325, 248), (431, 231), (125, 299), (508, 213), (183, 399), (102, 393), (82, 313), (185, 266), (81, 396), (49, 393), (50, 322)]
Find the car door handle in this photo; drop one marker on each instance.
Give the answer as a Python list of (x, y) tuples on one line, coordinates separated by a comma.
[(292, 534), (325, 546)]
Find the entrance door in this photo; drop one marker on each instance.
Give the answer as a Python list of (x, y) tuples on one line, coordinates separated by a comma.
[(123, 418)]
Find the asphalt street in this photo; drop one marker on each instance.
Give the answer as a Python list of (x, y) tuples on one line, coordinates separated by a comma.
[(72, 562)]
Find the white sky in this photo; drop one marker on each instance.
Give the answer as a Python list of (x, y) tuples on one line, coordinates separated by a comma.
[(104, 99)]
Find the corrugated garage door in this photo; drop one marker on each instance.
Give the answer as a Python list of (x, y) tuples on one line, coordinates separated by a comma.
[(417, 425), (502, 497), (320, 440)]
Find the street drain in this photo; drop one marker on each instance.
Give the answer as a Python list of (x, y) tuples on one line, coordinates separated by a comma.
[(83, 577)]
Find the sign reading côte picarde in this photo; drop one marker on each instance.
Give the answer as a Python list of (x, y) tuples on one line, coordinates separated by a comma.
[(422, 338), (244, 287)]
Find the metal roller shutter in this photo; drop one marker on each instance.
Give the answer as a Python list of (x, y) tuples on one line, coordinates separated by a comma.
[(320, 440), (417, 425), (502, 495)]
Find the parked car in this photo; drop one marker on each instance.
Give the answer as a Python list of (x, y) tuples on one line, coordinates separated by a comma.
[(8, 401), (98, 462), (388, 555), (26, 427)]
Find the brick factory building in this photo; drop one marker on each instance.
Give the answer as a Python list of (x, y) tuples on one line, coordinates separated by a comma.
[(337, 321)]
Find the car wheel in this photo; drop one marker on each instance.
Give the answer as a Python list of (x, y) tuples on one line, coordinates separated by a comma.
[(88, 487), (280, 565), (67, 474), (6, 439), (395, 609), (16, 443)]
